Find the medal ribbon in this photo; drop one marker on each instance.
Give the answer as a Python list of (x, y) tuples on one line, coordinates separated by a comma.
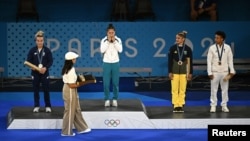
[(40, 57), (220, 53), (180, 55)]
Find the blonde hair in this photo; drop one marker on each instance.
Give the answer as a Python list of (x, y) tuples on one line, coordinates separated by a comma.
[(40, 33), (183, 34)]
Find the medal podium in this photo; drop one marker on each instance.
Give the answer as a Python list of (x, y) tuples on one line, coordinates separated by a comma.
[(130, 114)]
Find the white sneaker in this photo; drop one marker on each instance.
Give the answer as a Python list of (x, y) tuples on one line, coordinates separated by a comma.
[(225, 109), (85, 131), (68, 135), (212, 109), (115, 104), (107, 103), (36, 109), (48, 110)]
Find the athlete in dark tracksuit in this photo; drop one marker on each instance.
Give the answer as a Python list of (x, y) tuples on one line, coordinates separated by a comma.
[(41, 56)]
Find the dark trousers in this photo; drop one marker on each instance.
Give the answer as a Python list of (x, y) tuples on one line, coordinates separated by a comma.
[(44, 80)]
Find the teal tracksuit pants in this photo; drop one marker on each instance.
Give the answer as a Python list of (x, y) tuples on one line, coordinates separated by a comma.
[(111, 74)]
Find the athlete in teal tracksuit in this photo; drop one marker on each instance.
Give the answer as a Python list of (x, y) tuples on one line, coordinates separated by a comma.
[(111, 46)]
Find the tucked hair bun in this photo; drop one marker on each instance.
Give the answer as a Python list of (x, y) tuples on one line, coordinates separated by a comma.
[(183, 33), (40, 33), (110, 26)]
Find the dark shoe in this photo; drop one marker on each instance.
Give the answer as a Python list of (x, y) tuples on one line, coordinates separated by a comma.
[(181, 109), (176, 110)]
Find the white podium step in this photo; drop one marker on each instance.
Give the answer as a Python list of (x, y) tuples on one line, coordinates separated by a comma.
[(118, 120)]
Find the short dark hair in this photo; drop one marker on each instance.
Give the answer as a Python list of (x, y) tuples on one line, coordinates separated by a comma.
[(221, 33)]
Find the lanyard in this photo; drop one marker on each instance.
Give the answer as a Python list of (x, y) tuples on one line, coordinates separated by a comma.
[(220, 53), (180, 55), (40, 57)]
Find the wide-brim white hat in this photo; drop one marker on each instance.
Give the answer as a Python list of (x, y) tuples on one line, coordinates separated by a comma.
[(71, 55)]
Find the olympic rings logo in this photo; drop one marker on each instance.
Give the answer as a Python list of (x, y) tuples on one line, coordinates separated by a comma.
[(112, 122)]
